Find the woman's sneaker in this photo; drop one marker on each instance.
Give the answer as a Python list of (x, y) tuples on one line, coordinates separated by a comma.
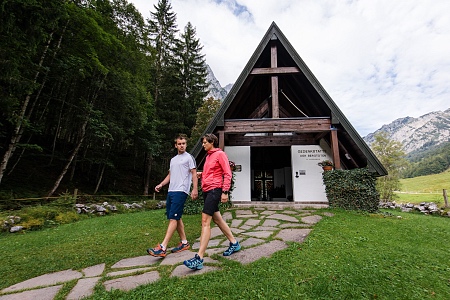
[(232, 248), (157, 251), (181, 247), (195, 263)]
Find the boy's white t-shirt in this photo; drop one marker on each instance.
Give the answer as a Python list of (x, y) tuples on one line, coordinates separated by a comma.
[(180, 172)]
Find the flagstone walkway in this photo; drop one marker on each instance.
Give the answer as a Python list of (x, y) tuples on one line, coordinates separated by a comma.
[(261, 232)]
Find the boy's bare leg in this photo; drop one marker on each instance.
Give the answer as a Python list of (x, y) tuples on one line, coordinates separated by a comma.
[(173, 225), (180, 230)]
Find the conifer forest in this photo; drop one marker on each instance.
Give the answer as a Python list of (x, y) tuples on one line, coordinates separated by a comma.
[(92, 95)]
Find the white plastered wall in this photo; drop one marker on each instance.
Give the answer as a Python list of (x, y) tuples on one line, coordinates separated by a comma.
[(240, 155), (306, 174)]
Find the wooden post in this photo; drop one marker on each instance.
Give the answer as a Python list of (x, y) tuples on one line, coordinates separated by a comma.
[(221, 137), (75, 193), (274, 79), (335, 149), (444, 192)]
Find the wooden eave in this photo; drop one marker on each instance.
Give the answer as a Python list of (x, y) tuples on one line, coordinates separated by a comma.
[(307, 125)]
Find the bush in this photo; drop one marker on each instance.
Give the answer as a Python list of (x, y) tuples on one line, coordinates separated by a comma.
[(33, 224), (151, 204), (68, 217), (40, 212), (352, 189)]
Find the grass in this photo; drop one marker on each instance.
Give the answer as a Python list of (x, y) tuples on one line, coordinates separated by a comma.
[(427, 184), (348, 256), (416, 198), (424, 188)]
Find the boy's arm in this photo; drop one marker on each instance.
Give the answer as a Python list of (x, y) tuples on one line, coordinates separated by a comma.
[(194, 192), (163, 183)]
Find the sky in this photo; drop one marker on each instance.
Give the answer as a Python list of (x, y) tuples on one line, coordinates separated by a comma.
[(379, 60)]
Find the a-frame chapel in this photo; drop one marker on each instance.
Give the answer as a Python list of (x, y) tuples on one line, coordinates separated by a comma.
[(277, 123)]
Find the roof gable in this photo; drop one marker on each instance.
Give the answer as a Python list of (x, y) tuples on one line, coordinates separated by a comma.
[(299, 96)]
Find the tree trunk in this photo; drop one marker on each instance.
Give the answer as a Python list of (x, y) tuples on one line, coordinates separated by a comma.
[(69, 162), (16, 136), (148, 170), (83, 135), (100, 179)]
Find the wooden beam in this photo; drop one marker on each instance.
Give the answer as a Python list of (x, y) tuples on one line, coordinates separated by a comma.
[(221, 139), (274, 80), (279, 125), (275, 102), (335, 149), (270, 141), (260, 110), (320, 135), (275, 71), (344, 150), (284, 113), (273, 55)]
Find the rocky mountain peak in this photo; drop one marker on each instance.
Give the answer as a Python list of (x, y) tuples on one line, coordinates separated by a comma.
[(417, 133), (215, 89)]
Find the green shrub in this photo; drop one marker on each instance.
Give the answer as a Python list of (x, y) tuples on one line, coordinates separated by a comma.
[(40, 212), (352, 189), (194, 207), (32, 223), (151, 204), (67, 217), (64, 200)]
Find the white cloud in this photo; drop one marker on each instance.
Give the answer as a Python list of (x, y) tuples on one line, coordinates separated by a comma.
[(379, 60)]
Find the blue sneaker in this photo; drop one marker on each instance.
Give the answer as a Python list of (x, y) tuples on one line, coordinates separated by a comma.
[(233, 248), (195, 263)]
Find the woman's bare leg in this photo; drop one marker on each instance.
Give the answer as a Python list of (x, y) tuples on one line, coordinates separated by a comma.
[(217, 218), (206, 234)]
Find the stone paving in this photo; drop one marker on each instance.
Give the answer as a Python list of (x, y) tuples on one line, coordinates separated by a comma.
[(261, 232)]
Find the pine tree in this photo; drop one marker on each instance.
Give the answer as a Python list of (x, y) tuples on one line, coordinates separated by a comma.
[(166, 83), (193, 75)]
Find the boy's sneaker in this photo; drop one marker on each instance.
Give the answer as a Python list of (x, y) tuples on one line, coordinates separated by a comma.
[(181, 247), (232, 248), (195, 263), (157, 251)]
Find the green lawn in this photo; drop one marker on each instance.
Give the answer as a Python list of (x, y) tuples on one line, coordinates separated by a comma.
[(348, 256), (424, 188)]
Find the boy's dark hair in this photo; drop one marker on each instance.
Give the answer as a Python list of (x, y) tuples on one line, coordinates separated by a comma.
[(211, 138), (180, 136)]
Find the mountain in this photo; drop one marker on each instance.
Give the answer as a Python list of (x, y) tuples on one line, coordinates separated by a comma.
[(418, 134), (215, 89), (228, 87)]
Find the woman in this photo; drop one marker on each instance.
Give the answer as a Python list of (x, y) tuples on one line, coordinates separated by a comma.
[(216, 182)]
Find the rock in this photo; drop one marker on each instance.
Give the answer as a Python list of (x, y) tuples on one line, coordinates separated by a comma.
[(15, 229)]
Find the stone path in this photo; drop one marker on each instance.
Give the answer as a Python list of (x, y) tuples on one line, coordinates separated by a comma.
[(261, 232)]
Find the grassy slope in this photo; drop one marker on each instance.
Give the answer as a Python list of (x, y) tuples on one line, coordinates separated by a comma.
[(425, 188), (427, 184), (348, 256)]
